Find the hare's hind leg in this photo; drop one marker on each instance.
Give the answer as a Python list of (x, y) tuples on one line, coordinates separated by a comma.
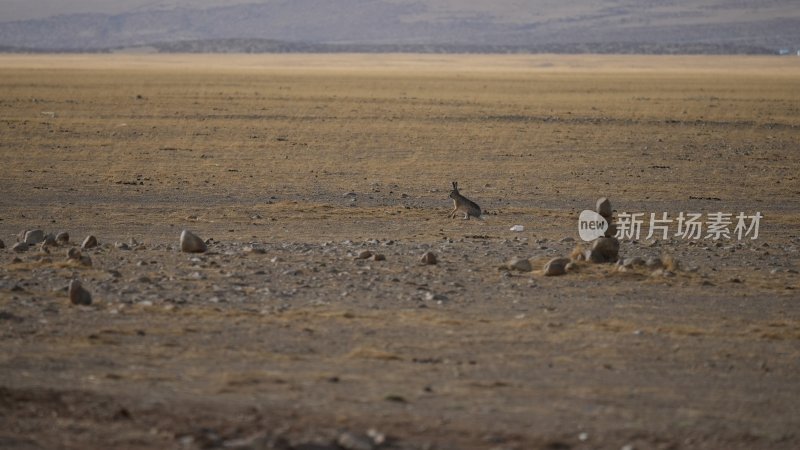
[(466, 216), (452, 214)]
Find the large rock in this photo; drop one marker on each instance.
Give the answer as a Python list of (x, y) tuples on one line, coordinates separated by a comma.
[(191, 243), (33, 237), (78, 295), (556, 266), (604, 249), (20, 247), (62, 238)]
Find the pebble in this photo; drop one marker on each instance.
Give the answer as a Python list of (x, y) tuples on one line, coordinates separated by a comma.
[(89, 242), (62, 238), (567, 239), (78, 295), (352, 441), (633, 262), (50, 241), (20, 247), (429, 258), (556, 266), (33, 237), (191, 243), (378, 257), (2, 244), (122, 246), (517, 228), (654, 263), (520, 264)]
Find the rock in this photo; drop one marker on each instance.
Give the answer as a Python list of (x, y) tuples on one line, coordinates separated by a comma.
[(633, 262), (571, 267), (520, 264), (20, 247), (378, 257), (122, 246), (2, 244), (604, 249), (89, 242), (191, 243), (352, 441), (654, 263), (62, 238), (429, 258), (517, 228), (603, 207), (364, 254), (567, 239), (50, 241), (78, 295), (556, 266), (611, 231), (74, 254), (33, 237)]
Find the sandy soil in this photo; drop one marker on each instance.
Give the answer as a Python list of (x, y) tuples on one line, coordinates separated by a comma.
[(278, 337)]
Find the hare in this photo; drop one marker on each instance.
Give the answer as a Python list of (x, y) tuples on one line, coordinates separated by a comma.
[(463, 204)]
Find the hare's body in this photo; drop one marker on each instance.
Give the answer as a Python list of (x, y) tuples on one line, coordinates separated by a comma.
[(463, 204)]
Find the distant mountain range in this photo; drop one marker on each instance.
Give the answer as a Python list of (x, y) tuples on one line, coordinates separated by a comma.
[(576, 26)]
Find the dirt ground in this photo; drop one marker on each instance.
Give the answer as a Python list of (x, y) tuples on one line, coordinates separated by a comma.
[(291, 165)]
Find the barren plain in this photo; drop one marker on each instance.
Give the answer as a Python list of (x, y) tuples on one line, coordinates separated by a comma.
[(292, 165)]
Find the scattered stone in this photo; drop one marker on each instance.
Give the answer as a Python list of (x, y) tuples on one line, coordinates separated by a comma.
[(191, 243), (571, 267), (604, 249), (603, 207), (556, 266), (364, 254), (74, 254), (429, 258), (519, 264), (89, 242), (654, 263), (567, 239), (49, 241), (378, 257), (632, 262), (62, 238), (517, 228), (2, 244), (78, 295), (254, 250), (122, 246), (33, 237), (20, 247), (352, 441)]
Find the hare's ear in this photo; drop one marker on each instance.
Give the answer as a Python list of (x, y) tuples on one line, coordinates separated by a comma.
[(455, 185)]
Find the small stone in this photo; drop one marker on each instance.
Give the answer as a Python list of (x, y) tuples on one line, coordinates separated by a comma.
[(62, 238), (556, 266), (364, 254), (89, 242), (352, 441), (33, 237), (20, 247), (429, 258), (603, 207), (78, 295), (654, 263), (633, 262), (2, 244), (122, 246), (571, 267), (567, 239), (520, 264), (73, 253), (378, 257), (191, 243), (517, 228)]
